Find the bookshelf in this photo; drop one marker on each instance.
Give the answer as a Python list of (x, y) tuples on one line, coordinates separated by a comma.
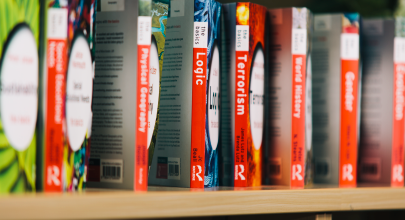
[(166, 202)]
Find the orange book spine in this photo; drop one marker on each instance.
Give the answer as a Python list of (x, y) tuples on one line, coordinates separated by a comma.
[(55, 99), (348, 109)]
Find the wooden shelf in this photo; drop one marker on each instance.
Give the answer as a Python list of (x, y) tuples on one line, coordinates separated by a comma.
[(176, 202)]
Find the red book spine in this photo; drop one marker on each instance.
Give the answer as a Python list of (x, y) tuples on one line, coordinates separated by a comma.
[(241, 105), (397, 158), (348, 109), (298, 122), (198, 104), (142, 100), (299, 49), (55, 98)]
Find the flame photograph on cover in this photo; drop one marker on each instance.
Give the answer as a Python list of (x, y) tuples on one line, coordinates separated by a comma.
[(254, 16)]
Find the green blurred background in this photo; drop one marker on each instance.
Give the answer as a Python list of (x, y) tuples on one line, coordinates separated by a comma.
[(367, 8)]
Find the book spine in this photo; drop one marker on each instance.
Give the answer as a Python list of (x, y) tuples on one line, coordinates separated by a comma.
[(299, 48), (200, 41), (349, 53), (55, 97), (397, 161), (142, 99), (241, 105)]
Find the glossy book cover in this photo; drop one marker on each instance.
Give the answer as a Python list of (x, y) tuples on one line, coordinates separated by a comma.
[(242, 99), (62, 167), (79, 89), (210, 11), (19, 43), (249, 93)]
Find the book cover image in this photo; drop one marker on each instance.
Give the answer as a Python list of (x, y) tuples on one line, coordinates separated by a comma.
[(160, 11), (250, 133), (19, 72), (79, 89), (242, 100)]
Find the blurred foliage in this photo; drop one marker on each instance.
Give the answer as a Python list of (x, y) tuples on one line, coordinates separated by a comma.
[(366, 8), (401, 8)]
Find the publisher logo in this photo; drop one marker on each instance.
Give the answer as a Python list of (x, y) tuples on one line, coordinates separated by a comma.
[(297, 172), (53, 176), (198, 173), (347, 172), (239, 170), (397, 173)]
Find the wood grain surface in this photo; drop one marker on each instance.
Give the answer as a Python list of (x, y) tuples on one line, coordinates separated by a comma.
[(176, 202)]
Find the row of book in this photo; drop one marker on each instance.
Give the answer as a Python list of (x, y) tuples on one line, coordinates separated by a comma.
[(194, 93)]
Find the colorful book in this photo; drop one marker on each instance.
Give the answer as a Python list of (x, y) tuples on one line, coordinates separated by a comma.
[(186, 149), (242, 103), (79, 93), (288, 152), (381, 152), (19, 72), (119, 150), (336, 97), (66, 91)]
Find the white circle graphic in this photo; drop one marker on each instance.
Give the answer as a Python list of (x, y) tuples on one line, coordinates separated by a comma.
[(213, 99), (79, 89), (154, 79), (19, 88), (256, 98)]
